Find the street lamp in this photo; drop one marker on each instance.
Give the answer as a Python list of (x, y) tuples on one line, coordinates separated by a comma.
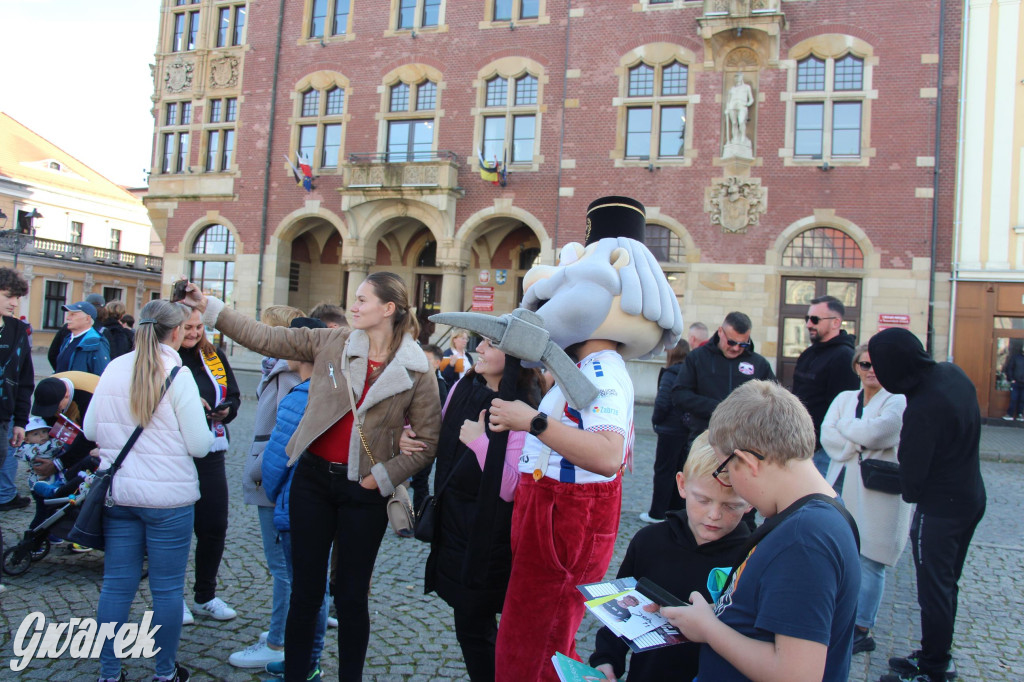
[(16, 237)]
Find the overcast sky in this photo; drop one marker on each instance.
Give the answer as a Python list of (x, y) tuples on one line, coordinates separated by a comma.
[(77, 73)]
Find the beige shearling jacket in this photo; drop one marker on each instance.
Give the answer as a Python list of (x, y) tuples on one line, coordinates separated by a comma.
[(406, 390)]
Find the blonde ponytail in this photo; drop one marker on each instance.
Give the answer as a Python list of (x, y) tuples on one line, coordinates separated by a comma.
[(156, 322)]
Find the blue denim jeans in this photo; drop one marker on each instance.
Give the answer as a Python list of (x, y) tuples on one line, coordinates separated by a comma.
[(8, 467), (872, 585), (821, 460), (1016, 402), (321, 621), (131, 532), (280, 571)]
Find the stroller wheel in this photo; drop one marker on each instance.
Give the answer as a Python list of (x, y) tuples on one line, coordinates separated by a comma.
[(17, 560), (39, 553)]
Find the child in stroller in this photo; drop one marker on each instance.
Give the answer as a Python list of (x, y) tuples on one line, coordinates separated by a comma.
[(38, 446)]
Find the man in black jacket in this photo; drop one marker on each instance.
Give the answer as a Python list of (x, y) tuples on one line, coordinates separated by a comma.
[(711, 372), (941, 472), (16, 381), (825, 368)]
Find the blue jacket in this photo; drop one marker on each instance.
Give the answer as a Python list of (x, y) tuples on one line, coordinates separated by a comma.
[(92, 354), (277, 475)]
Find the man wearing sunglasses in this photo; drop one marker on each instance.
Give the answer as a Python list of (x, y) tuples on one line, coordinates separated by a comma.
[(825, 368), (713, 371)]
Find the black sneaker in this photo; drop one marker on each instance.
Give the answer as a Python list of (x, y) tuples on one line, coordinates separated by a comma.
[(16, 502), (908, 666), (181, 674), (862, 641), (894, 677)]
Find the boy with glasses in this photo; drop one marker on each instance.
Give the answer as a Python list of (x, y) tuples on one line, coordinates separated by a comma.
[(713, 371), (788, 610)]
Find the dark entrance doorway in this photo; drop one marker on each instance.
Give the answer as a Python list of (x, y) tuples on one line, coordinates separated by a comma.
[(428, 302), (795, 298)]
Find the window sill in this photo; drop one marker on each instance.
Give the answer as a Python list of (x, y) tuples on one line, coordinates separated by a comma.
[(513, 25), (327, 40), (415, 32), (674, 161)]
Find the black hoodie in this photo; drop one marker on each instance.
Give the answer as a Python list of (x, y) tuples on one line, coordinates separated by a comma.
[(708, 377), (939, 465), (823, 371), (668, 554)]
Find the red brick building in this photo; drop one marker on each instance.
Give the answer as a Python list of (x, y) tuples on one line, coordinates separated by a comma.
[(784, 149)]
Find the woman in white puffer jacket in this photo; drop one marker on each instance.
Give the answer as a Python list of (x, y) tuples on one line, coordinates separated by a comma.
[(154, 491)]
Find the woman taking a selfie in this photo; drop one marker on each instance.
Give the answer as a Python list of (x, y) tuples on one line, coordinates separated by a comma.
[(155, 488), (345, 468)]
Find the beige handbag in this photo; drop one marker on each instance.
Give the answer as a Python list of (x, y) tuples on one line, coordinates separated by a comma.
[(399, 507)]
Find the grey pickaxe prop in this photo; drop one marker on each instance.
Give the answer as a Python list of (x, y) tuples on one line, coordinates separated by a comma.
[(521, 334)]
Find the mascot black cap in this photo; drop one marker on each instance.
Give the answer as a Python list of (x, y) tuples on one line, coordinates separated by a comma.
[(615, 217)]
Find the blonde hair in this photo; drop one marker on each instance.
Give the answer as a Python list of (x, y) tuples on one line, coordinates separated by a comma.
[(457, 333), (280, 315), (116, 309), (702, 461), (766, 418), (857, 353), (156, 322)]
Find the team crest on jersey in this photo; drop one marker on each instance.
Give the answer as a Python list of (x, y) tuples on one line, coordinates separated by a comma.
[(746, 368)]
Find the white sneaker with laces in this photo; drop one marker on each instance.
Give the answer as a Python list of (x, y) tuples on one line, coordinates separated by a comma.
[(217, 609), (186, 615), (332, 622), (647, 518), (256, 656)]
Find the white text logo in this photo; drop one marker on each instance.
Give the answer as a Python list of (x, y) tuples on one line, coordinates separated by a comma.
[(80, 638)]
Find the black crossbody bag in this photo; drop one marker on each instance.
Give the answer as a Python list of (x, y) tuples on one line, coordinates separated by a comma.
[(877, 474)]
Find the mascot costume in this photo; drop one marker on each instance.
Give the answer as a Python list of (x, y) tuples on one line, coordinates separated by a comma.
[(605, 302)]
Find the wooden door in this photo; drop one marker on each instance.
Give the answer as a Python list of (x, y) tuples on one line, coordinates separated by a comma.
[(795, 298)]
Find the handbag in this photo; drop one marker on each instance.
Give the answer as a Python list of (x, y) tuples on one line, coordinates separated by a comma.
[(877, 474), (88, 527), (399, 506), (426, 514)]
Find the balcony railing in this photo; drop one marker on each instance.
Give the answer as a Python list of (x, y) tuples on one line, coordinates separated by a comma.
[(51, 248), (412, 171)]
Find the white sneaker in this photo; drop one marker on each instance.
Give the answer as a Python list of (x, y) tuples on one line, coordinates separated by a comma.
[(256, 656), (216, 608), (332, 622), (647, 518), (186, 615), (1007, 418)]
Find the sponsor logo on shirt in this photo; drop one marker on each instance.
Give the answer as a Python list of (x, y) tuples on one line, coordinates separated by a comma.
[(597, 409), (746, 368)]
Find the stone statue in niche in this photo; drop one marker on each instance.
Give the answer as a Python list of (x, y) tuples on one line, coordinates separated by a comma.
[(737, 112)]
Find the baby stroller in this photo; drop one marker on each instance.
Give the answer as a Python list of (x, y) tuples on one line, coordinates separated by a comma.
[(35, 544)]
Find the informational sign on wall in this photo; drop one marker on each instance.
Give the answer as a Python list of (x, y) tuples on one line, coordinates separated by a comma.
[(483, 299), (887, 320)]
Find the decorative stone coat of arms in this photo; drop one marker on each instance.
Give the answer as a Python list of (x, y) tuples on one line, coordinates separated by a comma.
[(178, 76), (735, 203), (224, 72)]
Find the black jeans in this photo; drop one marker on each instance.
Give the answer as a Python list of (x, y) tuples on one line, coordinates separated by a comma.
[(477, 631), (669, 458), (325, 507), (421, 485), (940, 549), (210, 524)]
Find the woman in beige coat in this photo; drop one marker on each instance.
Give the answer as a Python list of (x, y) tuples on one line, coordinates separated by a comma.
[(883, 518), (343, 478)]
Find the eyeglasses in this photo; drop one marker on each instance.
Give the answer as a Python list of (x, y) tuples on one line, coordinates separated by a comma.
[(814, 319), (864, 365), (720, 471)]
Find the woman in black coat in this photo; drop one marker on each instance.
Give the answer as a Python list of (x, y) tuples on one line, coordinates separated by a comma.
[(673, 439), (476, 593)]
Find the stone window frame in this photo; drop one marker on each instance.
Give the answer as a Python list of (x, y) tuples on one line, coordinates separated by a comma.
[(658, 5), (53, 315), (190, 15), (177, 134), (489, 22), (306, 36), (509, 69), (220, 120), (235, 37), (412, 75), (657, 55), (829, 47), (417, 27), (322, 82)]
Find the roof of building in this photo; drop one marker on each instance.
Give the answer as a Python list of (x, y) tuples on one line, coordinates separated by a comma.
[(28, 158)]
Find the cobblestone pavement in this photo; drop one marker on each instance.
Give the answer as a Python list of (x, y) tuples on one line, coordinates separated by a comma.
[(413, 637)]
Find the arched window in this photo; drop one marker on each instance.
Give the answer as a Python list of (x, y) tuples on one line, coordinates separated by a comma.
[(823, 247), (212, 259), (411, 112), (320, 117), (656, 102), (665, 244), (510, 118)]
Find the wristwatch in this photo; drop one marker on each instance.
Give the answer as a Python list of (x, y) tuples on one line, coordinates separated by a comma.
[(538, 424)]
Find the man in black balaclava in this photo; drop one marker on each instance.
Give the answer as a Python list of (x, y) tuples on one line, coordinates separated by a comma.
[(941, 472)]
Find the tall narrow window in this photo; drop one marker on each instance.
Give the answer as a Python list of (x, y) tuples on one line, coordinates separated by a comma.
[(828, 107), (76, 232), (230, 25), (510, 118), (115, 239), (410, 127), (185, 29), (174, 137), (220, 134), (54, 300), (321, 114), (657, 102)]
